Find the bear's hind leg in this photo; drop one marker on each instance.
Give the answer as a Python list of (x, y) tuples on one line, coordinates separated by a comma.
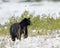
[(13, 38)]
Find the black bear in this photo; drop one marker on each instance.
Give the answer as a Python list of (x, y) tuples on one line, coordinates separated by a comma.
[(17, 29)]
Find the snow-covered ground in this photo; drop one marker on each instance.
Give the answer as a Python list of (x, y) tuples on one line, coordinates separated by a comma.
[(9, 9), (43, 41), (14, 9)]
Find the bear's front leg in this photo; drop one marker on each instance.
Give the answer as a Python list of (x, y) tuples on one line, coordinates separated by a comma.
[(25, 32)]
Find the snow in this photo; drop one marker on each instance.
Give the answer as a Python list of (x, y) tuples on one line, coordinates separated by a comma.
[(34, 31), (43, 41), (9, 9)]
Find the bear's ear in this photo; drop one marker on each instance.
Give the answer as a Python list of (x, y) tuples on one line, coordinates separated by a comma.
[(29, 18)]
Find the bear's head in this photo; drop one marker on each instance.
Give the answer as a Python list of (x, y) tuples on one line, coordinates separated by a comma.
[(27, 21)]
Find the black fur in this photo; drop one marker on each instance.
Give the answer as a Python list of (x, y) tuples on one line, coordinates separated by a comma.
[(17, 29)]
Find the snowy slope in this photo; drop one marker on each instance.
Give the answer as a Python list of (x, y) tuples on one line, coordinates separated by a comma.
[(44, 41), (10, 9), (32, 42)]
